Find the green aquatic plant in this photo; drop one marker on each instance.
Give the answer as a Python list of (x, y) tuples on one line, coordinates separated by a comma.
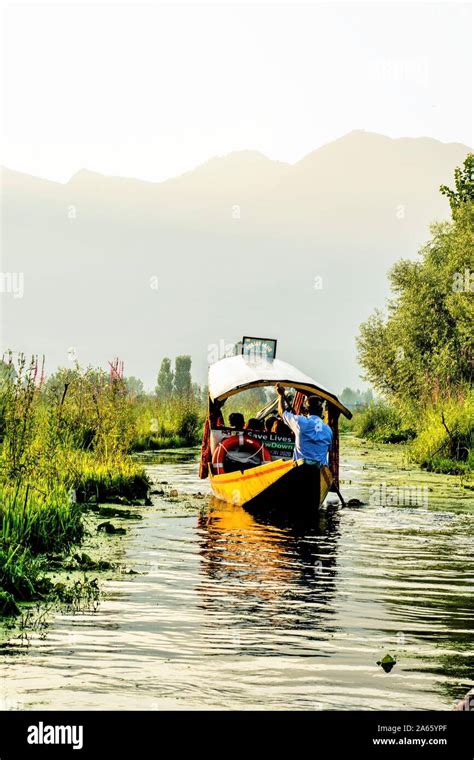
[(40, 521), (21, 573), (387, 663)]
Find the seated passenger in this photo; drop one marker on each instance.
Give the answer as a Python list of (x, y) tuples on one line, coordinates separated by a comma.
[(269, 423), (279, 428), (254, 424), (236, 421)]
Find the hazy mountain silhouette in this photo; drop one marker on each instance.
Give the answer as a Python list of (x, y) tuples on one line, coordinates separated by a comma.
[(236, 245)]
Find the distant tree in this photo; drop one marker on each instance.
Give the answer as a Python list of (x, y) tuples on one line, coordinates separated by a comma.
[(182, 376), (348, 396), (351, 397), (196, 391), (164, 386), (204, 394), (134, 386), (368, 396), (464, 183)]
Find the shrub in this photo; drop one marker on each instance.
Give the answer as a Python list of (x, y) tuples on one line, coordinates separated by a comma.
[(445, 435), (382, 422)]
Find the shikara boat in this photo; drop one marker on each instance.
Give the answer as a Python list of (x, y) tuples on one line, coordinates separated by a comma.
[(256, 469)]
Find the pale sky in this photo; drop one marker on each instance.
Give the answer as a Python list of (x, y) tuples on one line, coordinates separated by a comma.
[(152, 90)]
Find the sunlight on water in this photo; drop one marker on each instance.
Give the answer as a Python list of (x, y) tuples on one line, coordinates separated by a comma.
[(232, 613)]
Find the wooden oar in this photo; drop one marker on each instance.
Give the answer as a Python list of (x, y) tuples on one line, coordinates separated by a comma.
[(334, 486), (339, 494)]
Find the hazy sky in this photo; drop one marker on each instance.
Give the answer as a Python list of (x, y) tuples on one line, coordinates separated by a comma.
[(153, 90)]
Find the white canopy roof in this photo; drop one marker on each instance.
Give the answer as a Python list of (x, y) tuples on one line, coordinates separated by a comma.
[(236, 373)]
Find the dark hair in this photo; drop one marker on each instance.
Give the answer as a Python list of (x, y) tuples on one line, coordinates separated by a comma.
[(281, 428), (269, 422), (314, 405), (254, 424), (236, 420)]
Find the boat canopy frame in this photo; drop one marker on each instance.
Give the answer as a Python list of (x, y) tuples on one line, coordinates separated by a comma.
[(236, 374)]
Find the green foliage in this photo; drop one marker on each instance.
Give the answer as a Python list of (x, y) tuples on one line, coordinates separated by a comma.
[(189, 426), (445, 434), (8, 605), (108, 480), (40, 521), (419, 355), (20, 575), (425, 342), (464, 184), (63, 441), (381, 422), (247, 403), (182, 376), (349, 397), (133, 386), (159, 425), (164, 386)]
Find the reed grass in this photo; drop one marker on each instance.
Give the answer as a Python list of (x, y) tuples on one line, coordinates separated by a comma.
[(62, 442)]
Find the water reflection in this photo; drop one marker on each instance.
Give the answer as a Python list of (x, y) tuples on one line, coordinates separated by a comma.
[(229, 611), (271, 577)]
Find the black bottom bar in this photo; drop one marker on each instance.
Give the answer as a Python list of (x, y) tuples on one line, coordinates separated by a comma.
[(149, 734)]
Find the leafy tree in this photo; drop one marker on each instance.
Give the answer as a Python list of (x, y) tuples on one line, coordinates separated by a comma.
[(464, 183), (164, 387), (424, 343), (182, 376), (134, 386)]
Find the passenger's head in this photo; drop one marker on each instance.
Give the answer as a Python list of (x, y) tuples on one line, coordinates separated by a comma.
[(314, 406), (254, 424), (269, 423), (280, 428), (236, 420)]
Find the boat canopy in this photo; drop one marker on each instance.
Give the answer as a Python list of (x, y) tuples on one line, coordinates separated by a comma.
[(239, 373)]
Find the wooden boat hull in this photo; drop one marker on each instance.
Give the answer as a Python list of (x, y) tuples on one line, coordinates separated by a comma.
[(287, 485)]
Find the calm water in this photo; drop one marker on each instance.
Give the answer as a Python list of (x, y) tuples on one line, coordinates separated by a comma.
[(233, 613)]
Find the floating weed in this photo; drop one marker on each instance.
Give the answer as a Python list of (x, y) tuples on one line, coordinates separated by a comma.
[(80, 596)]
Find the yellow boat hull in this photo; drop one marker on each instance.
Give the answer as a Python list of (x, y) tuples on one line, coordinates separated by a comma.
[(280, 483)]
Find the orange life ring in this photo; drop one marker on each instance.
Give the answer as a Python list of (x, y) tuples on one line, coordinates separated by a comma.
[(241, 440)]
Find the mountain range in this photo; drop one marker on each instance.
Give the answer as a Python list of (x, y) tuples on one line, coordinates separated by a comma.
[(242, 245)]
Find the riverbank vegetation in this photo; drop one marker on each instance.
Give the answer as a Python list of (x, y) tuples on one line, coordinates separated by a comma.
[(418, 354), (64, 442)]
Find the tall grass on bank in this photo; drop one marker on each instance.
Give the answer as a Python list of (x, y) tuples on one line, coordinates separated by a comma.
[(439, 432), (42, 522), (61, 443), (445, 433), (20, 577), (383, 423), (167, 424)]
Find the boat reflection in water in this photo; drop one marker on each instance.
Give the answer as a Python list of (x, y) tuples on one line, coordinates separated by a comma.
[(267, 586)]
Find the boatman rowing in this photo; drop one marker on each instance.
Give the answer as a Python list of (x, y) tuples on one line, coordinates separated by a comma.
[(313, 437)]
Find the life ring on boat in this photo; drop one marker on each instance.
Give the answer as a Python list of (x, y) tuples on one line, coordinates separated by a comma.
[(239, 441)]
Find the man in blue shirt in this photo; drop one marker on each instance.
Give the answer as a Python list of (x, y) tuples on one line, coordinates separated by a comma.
[(313, 437)]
